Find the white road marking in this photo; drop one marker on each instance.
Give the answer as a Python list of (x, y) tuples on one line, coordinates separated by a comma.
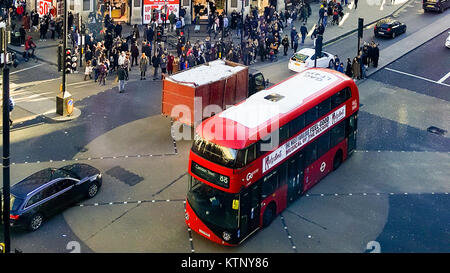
[(25, 69), (382, 5), (418, 77), (441, 80), (311, 31), (343, 19)]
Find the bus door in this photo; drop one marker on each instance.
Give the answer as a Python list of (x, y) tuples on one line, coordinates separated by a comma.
[(350, 132), (295, 177), (249, 210)]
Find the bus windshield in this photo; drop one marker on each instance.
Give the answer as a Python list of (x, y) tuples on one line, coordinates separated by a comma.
[(214, 153), (212, 205)]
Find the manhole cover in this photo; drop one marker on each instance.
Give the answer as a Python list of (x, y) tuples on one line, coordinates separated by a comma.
[(124, 175), (436, 130)]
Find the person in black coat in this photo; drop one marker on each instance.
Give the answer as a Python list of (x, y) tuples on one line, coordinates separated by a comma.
[(375, 54), (134, 54), (155, 63), (118, 29), (348, 69), (149, 34)]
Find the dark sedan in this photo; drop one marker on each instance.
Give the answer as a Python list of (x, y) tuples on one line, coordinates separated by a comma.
[(49, 191), (389, 28)]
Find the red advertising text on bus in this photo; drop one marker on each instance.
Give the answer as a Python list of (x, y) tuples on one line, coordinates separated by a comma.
[(249, 162)]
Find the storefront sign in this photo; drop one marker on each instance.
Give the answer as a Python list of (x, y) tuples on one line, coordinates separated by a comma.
[(44, 7), (161, 7)]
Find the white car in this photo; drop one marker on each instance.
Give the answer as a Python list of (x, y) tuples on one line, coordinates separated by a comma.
[(447, 42), (304, 59)]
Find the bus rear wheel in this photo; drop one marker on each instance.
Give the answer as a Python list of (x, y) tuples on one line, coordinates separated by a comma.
[(269, 215), (337, 160)]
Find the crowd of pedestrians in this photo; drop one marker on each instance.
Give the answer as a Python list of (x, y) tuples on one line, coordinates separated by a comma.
[(261, 37)]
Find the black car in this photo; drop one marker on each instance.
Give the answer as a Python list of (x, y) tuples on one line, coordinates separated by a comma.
[(49, 191), (389, 28), (435, 5)]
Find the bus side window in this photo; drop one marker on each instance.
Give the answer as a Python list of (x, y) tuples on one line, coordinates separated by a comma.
[(323, 144), (337, 134), (338, 98), (311, 115), (282, 179), (284, 133), (240, 158), (348, 93), (324, 107), (251, 153), (296, 125), (269, 184), (310, 153)]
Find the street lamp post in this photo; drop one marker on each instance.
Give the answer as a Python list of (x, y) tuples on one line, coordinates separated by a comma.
[(6, 130)]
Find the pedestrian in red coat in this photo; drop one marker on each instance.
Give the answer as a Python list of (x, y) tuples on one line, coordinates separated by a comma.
[(170, 59), (26, 21)]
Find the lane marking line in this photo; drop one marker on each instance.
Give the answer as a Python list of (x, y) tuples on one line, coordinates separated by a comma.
[(25, 69), (441, 80), (415, 76)]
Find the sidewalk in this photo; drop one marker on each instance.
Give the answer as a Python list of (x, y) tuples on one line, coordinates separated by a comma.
[(46, 50)]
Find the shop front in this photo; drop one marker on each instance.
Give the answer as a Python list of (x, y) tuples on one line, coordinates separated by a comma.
[(118, 10), (260, 5), (155, 9), (203, 8)]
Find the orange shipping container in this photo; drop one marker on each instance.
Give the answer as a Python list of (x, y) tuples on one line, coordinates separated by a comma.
[(218, 82)]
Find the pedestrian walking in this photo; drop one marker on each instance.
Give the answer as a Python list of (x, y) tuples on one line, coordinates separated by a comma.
[(102, 73), (293, 34), (285, 43), (143, 64), (170, 64), (155, 63), (304, 32), (348, 69), (375, 54), (121, 78), (296, 43), (163, 65), (88, 70), (134, 54), (355, 69)]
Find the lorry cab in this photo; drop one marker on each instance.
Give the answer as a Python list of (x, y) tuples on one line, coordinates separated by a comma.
[(256, 82)]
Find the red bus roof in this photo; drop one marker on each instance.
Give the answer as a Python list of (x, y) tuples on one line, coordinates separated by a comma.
[(247, 122)]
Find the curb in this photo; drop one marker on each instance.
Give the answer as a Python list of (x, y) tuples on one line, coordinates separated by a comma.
[(381, 67), (55, 118)]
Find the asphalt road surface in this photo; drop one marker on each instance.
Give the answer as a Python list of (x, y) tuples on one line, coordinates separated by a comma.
[(393, 191)]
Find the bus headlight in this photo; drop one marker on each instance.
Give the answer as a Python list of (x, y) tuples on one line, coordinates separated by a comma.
[(226, 236)]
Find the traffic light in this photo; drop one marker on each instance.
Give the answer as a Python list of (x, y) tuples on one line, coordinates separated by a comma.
[(360, 27), (318, 47), (159, 33), (68, 61), (74, 62)]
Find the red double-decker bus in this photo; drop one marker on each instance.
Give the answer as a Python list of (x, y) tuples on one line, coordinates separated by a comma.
[(249, 162)]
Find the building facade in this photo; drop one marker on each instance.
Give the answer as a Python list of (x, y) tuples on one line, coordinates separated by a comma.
[(142, 11)]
